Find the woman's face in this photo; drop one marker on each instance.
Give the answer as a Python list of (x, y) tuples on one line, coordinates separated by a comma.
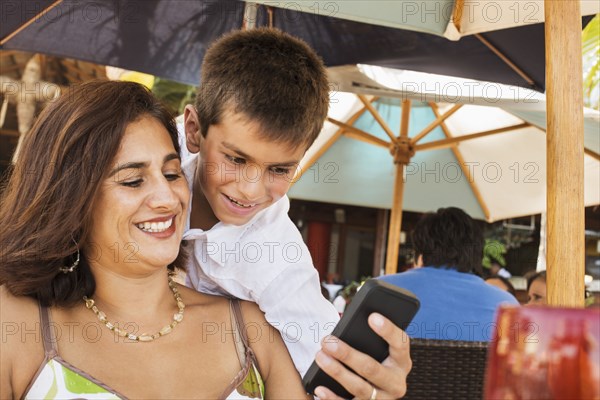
[(537, 292), (139, 215)]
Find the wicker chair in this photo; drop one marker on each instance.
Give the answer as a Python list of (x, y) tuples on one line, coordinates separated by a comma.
[(446, 369)]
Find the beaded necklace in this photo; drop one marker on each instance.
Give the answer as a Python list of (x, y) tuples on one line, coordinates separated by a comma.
[(144, 337)]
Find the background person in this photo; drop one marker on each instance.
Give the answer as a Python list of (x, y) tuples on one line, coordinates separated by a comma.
[(536, 288), (456, 304)]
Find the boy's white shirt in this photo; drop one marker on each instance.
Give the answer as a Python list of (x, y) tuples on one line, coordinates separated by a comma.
[(267, 262)]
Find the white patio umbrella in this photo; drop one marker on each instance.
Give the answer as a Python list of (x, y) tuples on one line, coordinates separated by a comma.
[(476, 16), (488, 156), (432, 16), (452, 19), (564, 88)]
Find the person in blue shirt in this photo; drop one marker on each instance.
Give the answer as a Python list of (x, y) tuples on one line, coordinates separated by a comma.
[(456, 303)]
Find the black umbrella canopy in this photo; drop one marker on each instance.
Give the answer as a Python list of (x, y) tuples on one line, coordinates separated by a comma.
[(168, 38), (164, 38), (342, 42), (13, 14)]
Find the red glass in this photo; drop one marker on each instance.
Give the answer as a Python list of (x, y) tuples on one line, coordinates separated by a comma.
[(544, 353)]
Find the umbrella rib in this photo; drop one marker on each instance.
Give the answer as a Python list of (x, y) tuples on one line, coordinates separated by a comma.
[(329, 143), (444, 143), (435, 123), (457, 13), (587, 151), (377, 117), (461, 161), (318, 155), (506, 60), (29, 22), (592, 154), (359, 134), (393, 245)]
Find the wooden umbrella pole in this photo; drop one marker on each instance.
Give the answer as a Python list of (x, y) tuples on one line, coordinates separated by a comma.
[(402, 152), (391, 260), (565, 203)]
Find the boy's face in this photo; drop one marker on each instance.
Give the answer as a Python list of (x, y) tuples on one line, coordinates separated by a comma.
[(239, 172)]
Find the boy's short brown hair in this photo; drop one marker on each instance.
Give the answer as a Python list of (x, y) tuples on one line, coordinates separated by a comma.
[(269, 76)]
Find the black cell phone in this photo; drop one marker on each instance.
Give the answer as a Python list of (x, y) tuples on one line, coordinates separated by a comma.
[(396, 304)]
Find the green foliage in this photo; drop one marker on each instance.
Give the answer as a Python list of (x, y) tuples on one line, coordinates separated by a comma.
[(493, 251), (589, 301), (591, 63), (174, 94), (350, 290)]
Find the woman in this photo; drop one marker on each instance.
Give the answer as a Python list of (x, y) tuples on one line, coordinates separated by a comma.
[(92, 219), (536, 288)]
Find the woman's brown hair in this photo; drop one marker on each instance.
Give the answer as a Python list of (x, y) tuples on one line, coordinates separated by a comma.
[(46, 206)]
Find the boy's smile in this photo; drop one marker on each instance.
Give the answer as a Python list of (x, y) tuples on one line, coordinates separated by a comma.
[(239, 173)]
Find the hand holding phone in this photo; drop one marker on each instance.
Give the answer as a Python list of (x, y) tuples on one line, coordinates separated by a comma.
[(394, 303)]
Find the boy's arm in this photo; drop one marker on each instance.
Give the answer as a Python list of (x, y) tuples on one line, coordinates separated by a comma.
[(389, 376), (298, 312), (294, 305)]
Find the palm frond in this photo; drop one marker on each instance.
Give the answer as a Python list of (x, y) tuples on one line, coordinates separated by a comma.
[(591, 62)]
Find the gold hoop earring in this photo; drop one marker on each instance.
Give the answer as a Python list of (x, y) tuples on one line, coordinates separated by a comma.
[(71, 268)]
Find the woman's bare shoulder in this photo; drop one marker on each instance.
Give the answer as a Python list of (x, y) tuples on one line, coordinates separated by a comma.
[(19, 318), (16, 308), (21, 342), (193, 297), (252, 313)]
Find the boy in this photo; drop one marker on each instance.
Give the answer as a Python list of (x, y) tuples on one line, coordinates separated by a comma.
[(262, 101)]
